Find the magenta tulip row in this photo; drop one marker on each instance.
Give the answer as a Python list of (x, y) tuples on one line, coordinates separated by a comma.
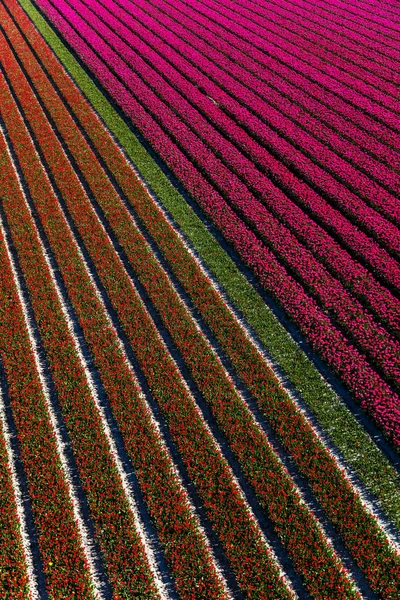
[(315, 238), (292, 76), (364, 80), (330, 35), (267, 69), (363, 30), (304, 150)]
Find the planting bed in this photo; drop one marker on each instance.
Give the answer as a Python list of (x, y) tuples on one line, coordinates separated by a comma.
[(199, 299)]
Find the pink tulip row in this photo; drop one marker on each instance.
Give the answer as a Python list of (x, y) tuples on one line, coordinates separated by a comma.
[(333, 46), (367, 387), (295, 77), (354, 74), (359, 280), (330, 293), (267, 69), (383, 107), (330, 35), (357, 14), (383, 40), (323, 160)]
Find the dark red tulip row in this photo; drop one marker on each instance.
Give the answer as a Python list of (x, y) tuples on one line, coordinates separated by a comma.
[(366, 386), (277, 493), (63, 559), (251, 559), (124, 553), (355, 277), (302, 442)]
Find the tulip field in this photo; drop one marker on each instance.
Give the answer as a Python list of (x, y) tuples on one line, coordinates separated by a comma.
[(199, 299)]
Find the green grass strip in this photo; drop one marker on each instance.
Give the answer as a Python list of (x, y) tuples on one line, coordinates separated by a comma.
[(355, 445)]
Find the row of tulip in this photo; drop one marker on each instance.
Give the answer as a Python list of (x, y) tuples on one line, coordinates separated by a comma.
[(240, 535), (346, 310), (355, 277), (185, 547), (375, 101), (13, 573), (115, 524), (63, 559), (266, 109), (363, 80), (245, 56), (315, 28), (360, 19), (346, 52), (338, 423), (345, 112), (282, 413), (302, 442)]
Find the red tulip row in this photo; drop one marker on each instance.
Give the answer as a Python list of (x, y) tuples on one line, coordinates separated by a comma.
[(305, 149), (345, 510), (372, 338), (13, 571), (122, 547), (353, 275), (366, 386), (63, 559), (314, 28), (185, 548), (256, 570)]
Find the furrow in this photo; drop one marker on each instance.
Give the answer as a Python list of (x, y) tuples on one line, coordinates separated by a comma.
[(346, 311), (383, 108), (375, 472)]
